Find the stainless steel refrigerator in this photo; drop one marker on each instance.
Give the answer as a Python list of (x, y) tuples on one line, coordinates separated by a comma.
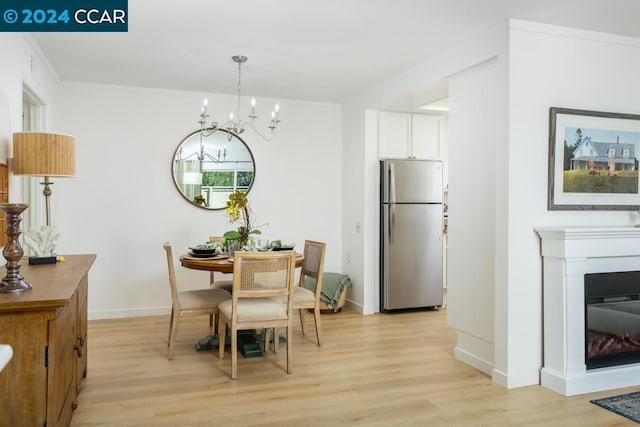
[(410, 234)]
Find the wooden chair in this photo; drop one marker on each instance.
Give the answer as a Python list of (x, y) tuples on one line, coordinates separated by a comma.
[(303, 298), (225, 284), (262, 285), (200, 301)]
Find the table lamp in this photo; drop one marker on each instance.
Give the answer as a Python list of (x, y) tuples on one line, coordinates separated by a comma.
[(46, 155)]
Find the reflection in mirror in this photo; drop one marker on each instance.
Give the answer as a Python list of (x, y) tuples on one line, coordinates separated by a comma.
[(207, 167)]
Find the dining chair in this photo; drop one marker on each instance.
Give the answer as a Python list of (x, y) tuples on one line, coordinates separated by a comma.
[(193, 302), (225, 284), (263, 283), (303, 298)]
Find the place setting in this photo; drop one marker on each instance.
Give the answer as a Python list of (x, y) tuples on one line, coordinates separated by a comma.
[(209, 250)]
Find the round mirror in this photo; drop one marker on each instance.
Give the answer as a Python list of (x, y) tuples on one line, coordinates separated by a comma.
[(208, 166)]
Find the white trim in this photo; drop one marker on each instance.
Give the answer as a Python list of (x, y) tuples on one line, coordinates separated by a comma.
[(567, 32), (472, 360)]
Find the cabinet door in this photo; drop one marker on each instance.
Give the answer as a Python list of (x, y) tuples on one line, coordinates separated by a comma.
[(23, 382), (62, 365), (425, 141), (81, 342), (394, 134)]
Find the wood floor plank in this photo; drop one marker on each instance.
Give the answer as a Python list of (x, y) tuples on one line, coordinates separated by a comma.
[(377, 370)]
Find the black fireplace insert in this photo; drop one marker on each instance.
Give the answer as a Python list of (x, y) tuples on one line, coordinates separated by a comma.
[(612, 318)]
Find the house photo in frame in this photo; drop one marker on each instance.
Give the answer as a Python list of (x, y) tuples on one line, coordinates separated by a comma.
[(593, 160)]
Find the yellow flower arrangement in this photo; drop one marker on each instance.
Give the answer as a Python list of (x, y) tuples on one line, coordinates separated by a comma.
[(238, 211)]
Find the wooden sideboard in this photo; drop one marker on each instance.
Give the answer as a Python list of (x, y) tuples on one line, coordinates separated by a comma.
[(47, 328)]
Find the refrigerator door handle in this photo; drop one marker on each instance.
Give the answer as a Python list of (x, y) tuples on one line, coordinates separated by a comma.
[(392, 223), (392, 184), (392, 203)]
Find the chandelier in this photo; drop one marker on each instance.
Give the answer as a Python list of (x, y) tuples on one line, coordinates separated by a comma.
[(235, 125), (201, 154)]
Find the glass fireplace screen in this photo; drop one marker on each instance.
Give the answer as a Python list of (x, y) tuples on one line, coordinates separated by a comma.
[(612, 319)]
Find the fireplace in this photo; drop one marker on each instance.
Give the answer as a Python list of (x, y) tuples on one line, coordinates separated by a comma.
[(612, 319), (590, 286)]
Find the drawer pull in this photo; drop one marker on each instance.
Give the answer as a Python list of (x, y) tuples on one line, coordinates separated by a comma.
[(79, 346)]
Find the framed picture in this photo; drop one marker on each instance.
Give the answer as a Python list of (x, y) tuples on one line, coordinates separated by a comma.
[(593, 160)]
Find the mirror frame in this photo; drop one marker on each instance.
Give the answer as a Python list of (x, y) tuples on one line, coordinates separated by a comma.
[(175, 153)]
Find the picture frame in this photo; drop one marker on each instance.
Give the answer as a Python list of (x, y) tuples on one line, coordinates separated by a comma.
[(593, 160)]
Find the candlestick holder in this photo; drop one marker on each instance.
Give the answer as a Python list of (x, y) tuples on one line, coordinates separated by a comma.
[(13, 282)]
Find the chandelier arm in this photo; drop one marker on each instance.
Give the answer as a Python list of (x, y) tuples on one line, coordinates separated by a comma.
[(263, 136), (209, 130), (213, 159), (195, 153)]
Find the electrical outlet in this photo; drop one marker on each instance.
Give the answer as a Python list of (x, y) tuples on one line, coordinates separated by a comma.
[(358, 227), (348, 257)]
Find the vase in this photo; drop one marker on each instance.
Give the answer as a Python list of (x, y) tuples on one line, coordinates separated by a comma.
[(13, 281), (234, 246)]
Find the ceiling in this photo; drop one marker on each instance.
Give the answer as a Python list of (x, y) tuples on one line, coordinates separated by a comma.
[(323, 50)]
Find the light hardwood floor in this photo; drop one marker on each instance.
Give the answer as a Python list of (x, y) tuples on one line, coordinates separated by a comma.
[(377, 370)]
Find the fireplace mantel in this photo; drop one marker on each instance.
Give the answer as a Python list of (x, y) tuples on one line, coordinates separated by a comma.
[(568, 254)]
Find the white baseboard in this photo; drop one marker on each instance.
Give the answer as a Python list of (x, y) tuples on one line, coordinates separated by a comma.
[(515, 380), (472, 360)]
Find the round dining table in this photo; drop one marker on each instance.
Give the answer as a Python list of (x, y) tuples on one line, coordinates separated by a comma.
[(221, 264)]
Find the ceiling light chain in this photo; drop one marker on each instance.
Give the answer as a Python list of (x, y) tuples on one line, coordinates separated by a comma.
[(234, 124)]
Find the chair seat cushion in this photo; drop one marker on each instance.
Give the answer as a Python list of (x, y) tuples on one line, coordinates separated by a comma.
[(303, 296), (202, 298), (255, 309), (227, 285)]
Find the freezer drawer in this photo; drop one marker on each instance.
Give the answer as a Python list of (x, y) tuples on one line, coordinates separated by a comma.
[(411, 260)]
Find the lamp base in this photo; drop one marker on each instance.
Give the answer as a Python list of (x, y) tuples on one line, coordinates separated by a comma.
[(13, 286), (39, 260)]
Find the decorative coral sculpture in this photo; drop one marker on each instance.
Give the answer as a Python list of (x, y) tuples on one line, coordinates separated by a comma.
[(41, 241)]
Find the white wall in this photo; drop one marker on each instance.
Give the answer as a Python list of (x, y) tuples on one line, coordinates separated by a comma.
[(474, 167), (123, 204), (552, 67)]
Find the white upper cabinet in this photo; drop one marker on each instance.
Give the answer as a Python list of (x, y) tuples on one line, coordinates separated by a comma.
[(406, 135), (394, 135), (425, 136)]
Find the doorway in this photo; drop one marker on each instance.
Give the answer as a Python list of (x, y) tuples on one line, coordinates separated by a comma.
[(33, 120)]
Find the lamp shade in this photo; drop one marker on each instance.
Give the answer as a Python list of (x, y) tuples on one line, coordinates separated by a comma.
[(44, 154)]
